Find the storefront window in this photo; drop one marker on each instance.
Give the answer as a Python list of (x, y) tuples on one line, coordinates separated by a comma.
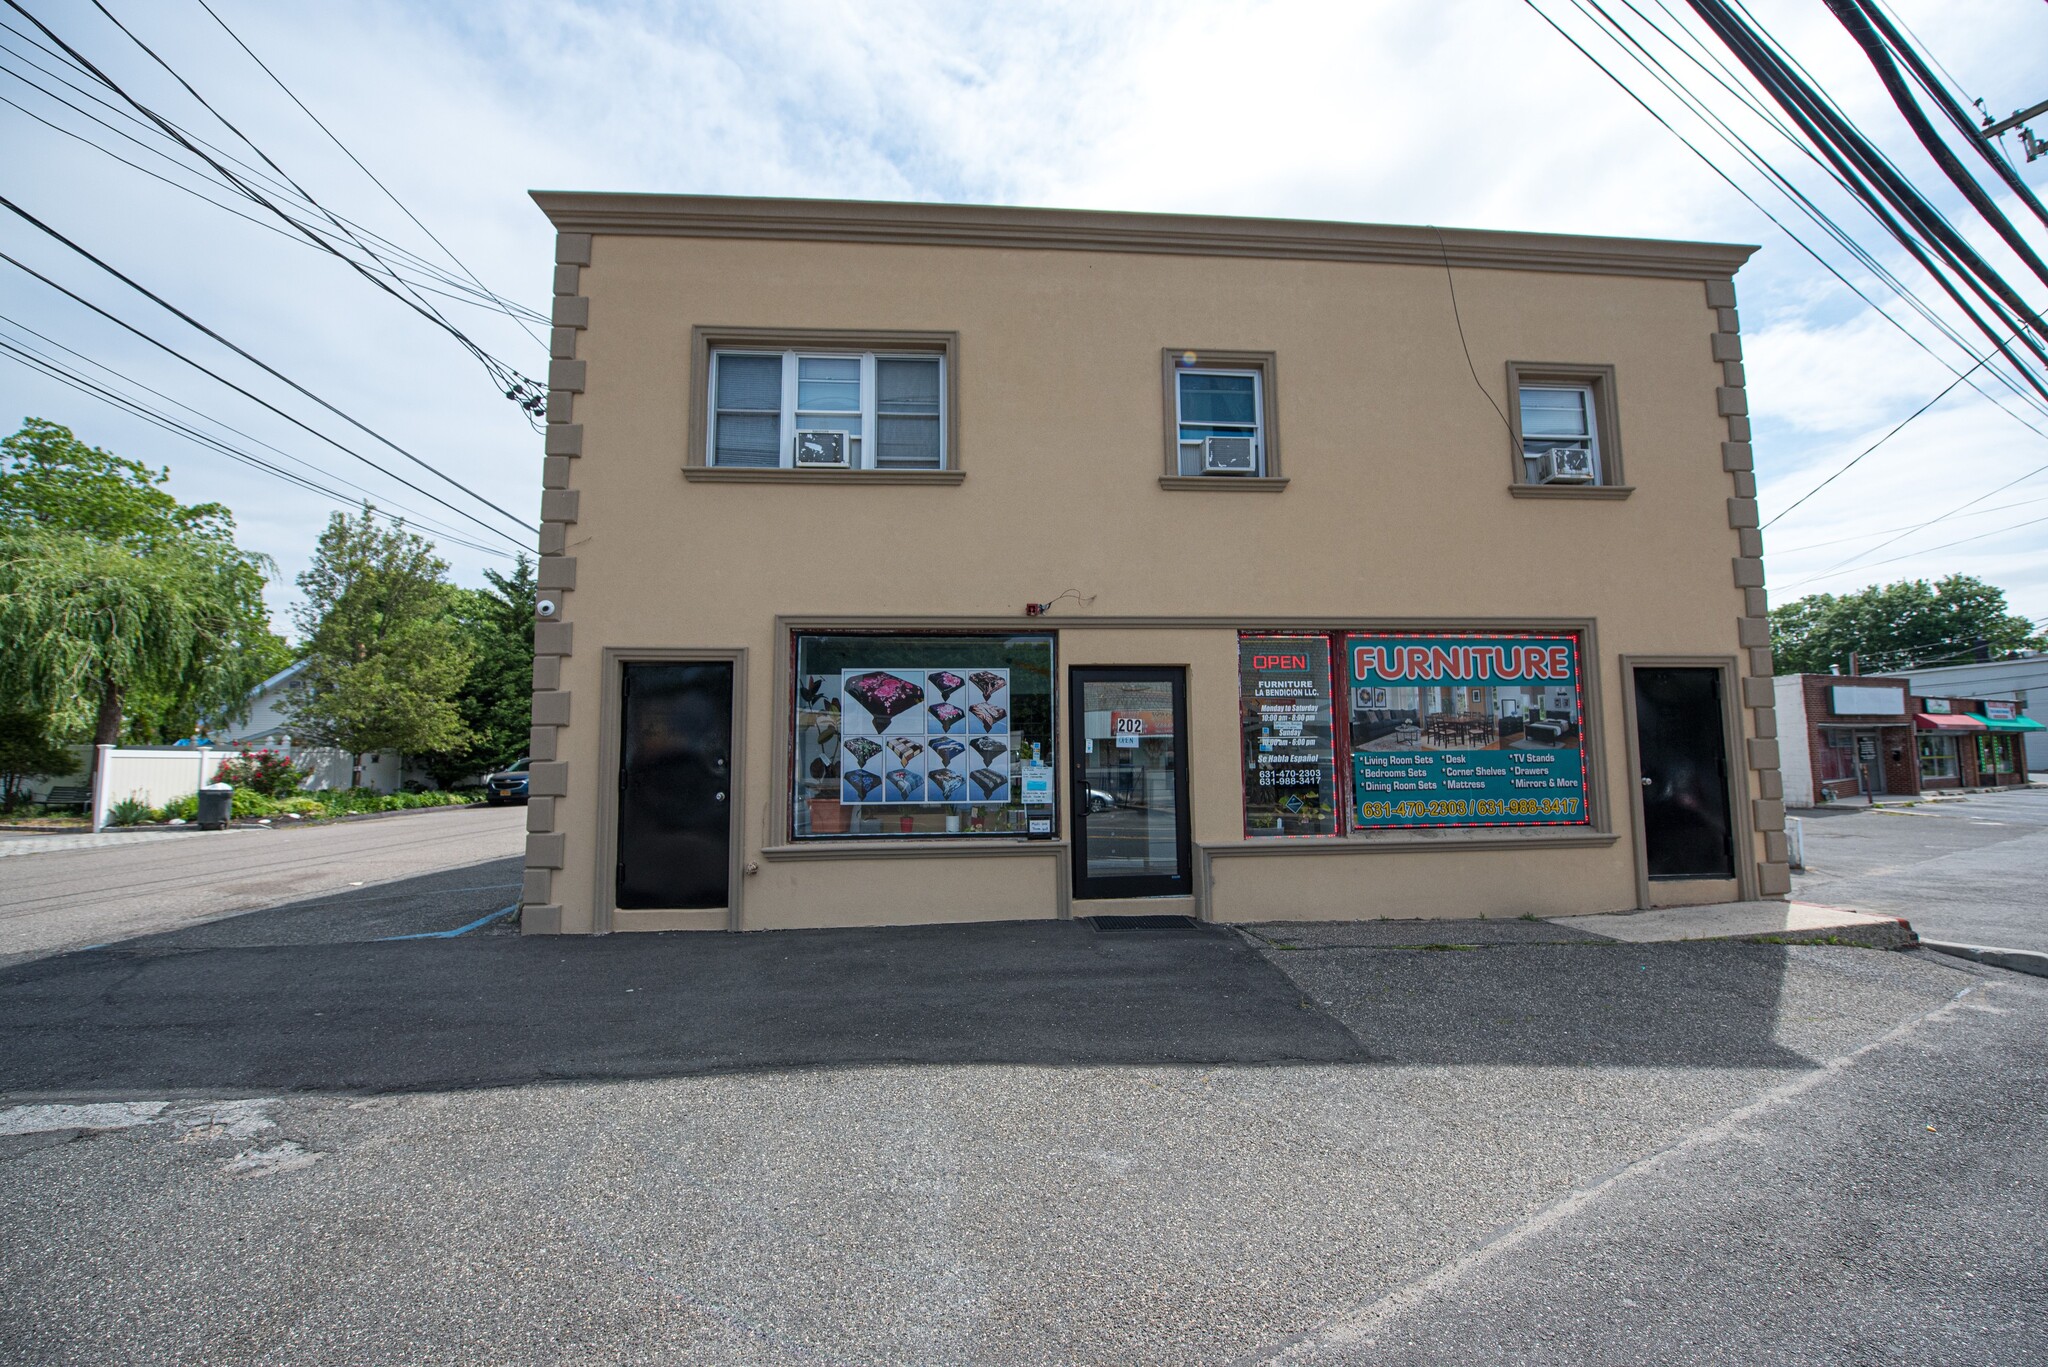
[(1994, 754), (1290, 753), (925, 736), (1452, 730), (1937, 757)]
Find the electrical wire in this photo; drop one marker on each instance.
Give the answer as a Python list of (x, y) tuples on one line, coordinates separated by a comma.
[(268, 369), (529, 394), (1872, 447), (388, 194), (254, 398), (1777, 222), (409, 259), (1450, 281), (417, 517), (204, 199)]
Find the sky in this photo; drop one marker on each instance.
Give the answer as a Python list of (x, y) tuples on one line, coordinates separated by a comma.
[(1473, 113)]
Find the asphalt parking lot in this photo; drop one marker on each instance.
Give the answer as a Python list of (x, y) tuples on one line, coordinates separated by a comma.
[(1973, 869), (284, 1138)]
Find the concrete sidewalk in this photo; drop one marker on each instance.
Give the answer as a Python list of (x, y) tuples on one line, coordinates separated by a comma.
[(1746, 921)]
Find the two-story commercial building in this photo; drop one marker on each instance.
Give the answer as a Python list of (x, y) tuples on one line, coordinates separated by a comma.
[(916, 563)]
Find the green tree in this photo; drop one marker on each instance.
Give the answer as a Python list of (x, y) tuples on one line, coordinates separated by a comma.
[(385, 657), (1894, 626), (26, 752), (496, 701), (109, 587)]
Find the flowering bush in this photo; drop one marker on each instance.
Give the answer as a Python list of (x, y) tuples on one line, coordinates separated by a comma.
[(261, 771)]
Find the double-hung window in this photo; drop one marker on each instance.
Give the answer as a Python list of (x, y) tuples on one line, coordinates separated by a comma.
[(1219, 418), (889, 407), (1555, 416)]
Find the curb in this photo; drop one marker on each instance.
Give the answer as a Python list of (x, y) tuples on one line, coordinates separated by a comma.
[(1891, 934), (2030, 961)]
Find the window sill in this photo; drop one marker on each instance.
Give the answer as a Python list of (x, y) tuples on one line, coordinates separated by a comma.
[(1219, 484), (1606, 491), (1393, 842), (895, 847), (710, 474)]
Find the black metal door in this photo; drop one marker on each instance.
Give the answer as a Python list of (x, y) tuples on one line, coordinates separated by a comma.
[(675, 785), (1681, 741), (1130, 816)]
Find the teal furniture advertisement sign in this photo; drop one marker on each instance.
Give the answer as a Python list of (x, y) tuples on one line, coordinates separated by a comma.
[(1449, 730)]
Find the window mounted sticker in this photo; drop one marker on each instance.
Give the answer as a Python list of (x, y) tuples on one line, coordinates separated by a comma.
[(1288, 735)]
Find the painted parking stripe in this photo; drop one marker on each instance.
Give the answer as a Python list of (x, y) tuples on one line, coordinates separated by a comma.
[(478, 924)]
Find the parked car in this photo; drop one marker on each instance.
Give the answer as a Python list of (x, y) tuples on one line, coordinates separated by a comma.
[(506, 785), (1100, 800)]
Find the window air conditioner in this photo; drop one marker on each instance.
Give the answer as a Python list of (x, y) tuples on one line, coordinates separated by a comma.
[(1228, 456), (820, 449), (1565, 465)]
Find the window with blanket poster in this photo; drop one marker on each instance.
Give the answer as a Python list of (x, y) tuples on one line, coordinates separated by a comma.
[(926, 736)]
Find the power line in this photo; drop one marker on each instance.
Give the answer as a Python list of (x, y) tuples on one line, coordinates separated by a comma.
[(205, 199), (1813, 212), (27, 358), (419, 518), (1874, 445), (388, 194), (410, 259), (254, 398), (526, 392), (1847, 566), (270, 370), (1782, 551)]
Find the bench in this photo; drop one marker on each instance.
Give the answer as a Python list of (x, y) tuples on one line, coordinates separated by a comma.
[(68, 795)]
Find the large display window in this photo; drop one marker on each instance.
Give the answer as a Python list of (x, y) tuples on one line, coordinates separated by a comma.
[(1457, 730), (926, 736), (1420, 729)]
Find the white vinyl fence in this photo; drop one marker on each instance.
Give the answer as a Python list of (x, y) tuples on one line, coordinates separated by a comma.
[(153, 776)]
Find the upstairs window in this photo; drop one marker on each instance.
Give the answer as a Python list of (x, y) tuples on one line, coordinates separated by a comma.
[(1558, 417), (818, 410), (1219, 417), (1567, 438)]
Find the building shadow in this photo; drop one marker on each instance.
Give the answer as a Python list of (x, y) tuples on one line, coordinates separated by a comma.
[(302, 998)]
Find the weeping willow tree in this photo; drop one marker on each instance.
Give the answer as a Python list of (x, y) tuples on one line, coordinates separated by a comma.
[(110, 588)]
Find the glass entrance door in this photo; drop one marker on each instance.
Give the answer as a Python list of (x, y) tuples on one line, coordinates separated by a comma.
[(1130, 774)]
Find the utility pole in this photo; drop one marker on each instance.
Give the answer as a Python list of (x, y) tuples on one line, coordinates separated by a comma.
[(2034, 146)]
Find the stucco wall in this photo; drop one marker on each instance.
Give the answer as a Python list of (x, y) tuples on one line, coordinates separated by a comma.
[(1397, 507)]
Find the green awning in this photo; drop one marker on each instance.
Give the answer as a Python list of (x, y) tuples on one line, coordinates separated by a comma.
[(2016, 724)]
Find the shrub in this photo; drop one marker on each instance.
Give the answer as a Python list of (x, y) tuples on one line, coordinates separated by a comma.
[(263, 771), (354, 800), (182, 808), (132, 811), (247, 802)]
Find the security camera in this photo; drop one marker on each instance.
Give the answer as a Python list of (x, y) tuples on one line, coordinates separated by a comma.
[(546, 607)]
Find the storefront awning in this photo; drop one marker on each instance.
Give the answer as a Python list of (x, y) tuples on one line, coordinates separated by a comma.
[(1928, 721), (2016, 724)]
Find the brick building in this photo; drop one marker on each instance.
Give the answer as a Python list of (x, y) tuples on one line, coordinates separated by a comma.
[(1872, 736)]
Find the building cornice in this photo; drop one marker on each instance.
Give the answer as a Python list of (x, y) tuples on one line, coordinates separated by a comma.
[(978, 225)]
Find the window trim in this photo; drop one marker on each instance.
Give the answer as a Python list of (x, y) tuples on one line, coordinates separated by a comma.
[(698, 417), (1265, 365), (1606, 428)]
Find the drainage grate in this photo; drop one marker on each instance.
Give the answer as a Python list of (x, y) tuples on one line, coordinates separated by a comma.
[(1142, 922)]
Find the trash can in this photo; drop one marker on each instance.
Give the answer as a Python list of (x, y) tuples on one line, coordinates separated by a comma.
[(216, 805)]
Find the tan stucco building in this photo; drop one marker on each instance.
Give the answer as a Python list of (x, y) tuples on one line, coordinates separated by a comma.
[(912, 563)]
